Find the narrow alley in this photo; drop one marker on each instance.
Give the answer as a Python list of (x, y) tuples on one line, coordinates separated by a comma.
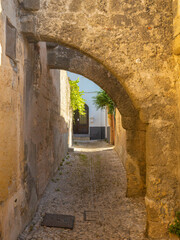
[(90, 180)]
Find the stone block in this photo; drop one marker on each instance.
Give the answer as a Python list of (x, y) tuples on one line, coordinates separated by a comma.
[(51, 59), (176, 22), (161, 144), (10, 40), (75, 5), (115, 5), (102, 5), (31, 5), (153, 211), (128, 123), (157, 230), (175, 7), (120, 20), (51, 45), (28, 26), (176, 45)]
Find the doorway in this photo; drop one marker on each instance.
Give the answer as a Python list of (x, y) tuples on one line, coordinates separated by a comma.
[(81, 122)]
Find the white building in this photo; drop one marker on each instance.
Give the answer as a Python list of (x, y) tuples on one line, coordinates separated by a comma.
[(94, 124)]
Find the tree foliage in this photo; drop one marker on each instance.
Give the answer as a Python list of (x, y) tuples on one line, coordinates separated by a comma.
[(102, 100), (77, 102)]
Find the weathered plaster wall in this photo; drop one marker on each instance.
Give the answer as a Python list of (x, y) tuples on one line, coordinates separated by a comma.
[(12, 194), (176, 22), (46, 123), (120, 138), (12, 84), (33, 132), (178, 92), (65, 105), (176, 46)]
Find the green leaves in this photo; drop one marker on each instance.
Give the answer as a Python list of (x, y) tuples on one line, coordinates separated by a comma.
[(77, 102), (102, 100), (175, 227)]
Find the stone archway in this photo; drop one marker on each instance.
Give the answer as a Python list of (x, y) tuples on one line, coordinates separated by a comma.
[(66, 58), (61, 57), (133, 40)]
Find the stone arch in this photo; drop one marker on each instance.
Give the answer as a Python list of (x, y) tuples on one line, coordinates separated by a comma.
[(69, 59)]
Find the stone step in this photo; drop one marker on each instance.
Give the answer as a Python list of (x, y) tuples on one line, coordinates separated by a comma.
[(81, 137)]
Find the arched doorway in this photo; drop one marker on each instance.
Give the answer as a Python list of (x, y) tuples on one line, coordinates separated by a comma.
[(81, 122)]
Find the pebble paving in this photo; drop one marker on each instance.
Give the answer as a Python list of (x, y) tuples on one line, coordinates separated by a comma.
[(91, 179)]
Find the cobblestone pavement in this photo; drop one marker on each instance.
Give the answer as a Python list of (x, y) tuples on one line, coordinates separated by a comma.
[(90, 179)]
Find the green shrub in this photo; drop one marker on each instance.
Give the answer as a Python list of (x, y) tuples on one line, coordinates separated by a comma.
[(77, 102), (175, 227), (102, 100)]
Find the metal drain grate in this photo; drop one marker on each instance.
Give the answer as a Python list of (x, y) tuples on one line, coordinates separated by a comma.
[(90, 215), (58, 221)]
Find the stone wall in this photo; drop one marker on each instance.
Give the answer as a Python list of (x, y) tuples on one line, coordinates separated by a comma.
[(176, 49), (47, 115), (34, 131), (12, 194), (131, 148), (120, 138), (65, 104)]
